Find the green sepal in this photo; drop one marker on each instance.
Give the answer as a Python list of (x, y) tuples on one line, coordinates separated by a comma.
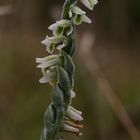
[(64, 83), (59, 31), (77, 19)]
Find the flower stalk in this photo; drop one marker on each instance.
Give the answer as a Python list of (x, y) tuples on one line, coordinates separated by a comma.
[(58, 70)]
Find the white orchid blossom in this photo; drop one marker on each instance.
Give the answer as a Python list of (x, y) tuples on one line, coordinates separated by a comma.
[(78, 16), (71, 129), (61, 27), (74, 114), (89, 3), (45, 63), (52, 42)]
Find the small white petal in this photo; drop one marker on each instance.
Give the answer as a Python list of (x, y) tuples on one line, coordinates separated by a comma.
[(93, 2), (44, 79), (77, 10), (60, 47), (64, 23), (72, 108), (87, 4), (48, 64), (56, 39), (70, 13), (73, 94), (74, 114), (45, 59), (53, 27), (45, 42), (85, 19), (70, 129)]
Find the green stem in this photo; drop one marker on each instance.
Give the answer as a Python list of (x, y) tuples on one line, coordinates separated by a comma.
[(66, 8)]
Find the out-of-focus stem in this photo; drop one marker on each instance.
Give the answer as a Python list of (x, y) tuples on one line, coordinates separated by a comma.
[(106, 90)]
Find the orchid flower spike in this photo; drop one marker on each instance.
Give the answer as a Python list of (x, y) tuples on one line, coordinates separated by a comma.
[(58, 71)]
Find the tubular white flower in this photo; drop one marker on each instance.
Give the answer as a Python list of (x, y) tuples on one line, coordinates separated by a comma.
[(52, 42), (78, 16), (70, 129), (47, 64), (73, 124), (89, 3), (74, 114), (75, 110), (47, 58), (61, 26)]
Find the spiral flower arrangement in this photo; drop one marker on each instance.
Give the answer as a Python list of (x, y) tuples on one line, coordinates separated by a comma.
[(58, 71)]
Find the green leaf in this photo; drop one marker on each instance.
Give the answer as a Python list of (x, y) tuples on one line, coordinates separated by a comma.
[(49, 132), (57, 97), (69, 67), (64, 83)]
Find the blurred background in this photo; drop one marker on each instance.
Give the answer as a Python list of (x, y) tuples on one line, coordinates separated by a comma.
[(107, 87)]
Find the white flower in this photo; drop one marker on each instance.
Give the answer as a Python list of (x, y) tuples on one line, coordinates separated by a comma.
[(52, 42), (74, 114), (47, 65), (47, 61), (78, 16), (71, 129), (61, 27), (47, 58), (89, 3), (75, 110)]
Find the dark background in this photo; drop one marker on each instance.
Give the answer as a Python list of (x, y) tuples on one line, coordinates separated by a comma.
[(23, 99)]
